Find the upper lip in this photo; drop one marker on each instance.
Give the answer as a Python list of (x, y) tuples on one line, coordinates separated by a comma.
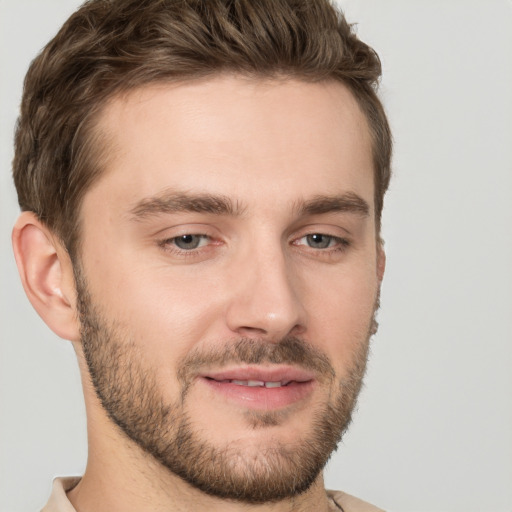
[(277, 373)]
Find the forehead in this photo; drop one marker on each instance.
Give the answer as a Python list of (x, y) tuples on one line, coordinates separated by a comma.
[(236, 136)]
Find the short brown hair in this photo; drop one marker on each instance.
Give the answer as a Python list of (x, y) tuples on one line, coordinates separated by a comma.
[(112, 46)]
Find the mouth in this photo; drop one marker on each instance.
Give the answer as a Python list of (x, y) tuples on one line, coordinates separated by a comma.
[(255, 383), (261, 388)]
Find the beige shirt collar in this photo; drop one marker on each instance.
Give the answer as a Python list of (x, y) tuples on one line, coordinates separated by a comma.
[(59, 501)]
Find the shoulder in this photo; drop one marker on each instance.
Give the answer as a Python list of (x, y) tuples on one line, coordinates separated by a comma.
[(352, 504), (58, 501)]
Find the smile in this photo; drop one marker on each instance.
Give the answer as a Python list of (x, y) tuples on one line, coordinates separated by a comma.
[(260, 388), (256, 383)]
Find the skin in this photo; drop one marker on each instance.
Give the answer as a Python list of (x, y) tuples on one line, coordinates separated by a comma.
[(268, 146)]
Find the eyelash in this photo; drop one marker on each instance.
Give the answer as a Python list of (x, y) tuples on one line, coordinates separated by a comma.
[(169, 245), (341, 243)]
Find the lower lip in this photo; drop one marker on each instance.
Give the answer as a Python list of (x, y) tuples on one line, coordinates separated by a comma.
[(262, 398)]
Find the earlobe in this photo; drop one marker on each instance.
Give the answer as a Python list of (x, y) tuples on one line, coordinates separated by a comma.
[(46, 274)]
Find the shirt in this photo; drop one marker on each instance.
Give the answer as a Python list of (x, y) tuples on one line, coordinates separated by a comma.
[(59, 501)]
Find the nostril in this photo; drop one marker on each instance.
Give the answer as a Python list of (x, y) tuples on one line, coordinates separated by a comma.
[(265, 304), (250, 332)]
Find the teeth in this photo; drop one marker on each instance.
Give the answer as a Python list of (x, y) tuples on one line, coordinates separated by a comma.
[(250, 383), (257, 383)]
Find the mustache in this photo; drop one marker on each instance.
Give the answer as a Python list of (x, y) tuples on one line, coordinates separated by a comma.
[(290, 350)]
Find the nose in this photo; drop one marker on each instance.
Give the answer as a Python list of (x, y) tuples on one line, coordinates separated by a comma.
[(264, 297)]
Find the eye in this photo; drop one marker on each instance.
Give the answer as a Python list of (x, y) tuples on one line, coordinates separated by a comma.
[(320, 241), (189, 242)]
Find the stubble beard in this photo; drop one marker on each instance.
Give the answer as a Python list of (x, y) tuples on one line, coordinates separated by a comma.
[(131, 397)]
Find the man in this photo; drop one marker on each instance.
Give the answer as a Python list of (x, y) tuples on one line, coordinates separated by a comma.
[(202, 185)]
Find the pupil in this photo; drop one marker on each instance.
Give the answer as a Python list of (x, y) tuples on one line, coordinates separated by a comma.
[(187, 241), (319, 241)]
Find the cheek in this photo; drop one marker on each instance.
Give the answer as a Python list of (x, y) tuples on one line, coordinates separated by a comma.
[(165, 312), (341, 314)]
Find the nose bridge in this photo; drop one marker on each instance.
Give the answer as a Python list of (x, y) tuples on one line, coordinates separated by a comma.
[(265, 298)]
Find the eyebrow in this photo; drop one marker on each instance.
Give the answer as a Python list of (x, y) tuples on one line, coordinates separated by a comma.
[(181, 202), (348, 202)]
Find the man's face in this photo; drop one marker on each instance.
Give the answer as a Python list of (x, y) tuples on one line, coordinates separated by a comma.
[(228, 278)]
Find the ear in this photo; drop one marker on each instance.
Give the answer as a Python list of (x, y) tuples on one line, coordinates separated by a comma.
[(47, 275), (381, 259)]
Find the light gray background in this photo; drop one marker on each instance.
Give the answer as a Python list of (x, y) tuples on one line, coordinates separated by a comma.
[(434, 426)]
